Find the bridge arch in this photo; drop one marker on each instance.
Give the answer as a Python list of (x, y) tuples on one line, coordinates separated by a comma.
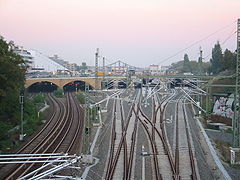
[(76, 85), (34, 81), (60, 82), (42, 86)]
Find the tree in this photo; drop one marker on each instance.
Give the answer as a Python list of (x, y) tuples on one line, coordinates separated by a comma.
[(186, 67), (186, 59), (217, 58), (229, 61), (12, 77)]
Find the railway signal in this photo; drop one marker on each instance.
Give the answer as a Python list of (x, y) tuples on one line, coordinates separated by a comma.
[(21, 101)]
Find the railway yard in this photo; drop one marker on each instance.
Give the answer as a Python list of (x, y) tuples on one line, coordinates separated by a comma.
[(141, 133)]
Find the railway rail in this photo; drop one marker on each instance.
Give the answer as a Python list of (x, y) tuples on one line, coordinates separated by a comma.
[(59, 134), (169, 165), (124, 141)]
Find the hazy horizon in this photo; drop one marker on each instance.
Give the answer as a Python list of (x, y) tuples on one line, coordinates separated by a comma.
[(137, 32)]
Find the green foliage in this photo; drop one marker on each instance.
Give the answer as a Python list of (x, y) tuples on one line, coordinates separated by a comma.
[(81, 97), (229, 131), (217, 58), (58, 93), (219, 62), (186, 67), (12, 77), (178, 66), (4, 128), (93, 113), (39, 98), (191, 66), (229, 61)]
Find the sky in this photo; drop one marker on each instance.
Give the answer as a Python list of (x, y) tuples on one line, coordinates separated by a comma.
[(138, 32)]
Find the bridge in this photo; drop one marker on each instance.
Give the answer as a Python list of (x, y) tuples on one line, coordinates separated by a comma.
[(62, 81), (96, 84)]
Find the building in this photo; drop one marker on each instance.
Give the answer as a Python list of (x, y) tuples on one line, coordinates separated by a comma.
[(66, 64), (38, 62), (154, 69)]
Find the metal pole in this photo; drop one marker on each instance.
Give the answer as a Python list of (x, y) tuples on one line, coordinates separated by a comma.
[(207, 100), (96, 68), (236, 121), (87, 116), (143, 164), (198, 98), (21, 100), (104, 68)]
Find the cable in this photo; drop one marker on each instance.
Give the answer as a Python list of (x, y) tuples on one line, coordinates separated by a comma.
[(229, 37), (233, 32), (193, 44)]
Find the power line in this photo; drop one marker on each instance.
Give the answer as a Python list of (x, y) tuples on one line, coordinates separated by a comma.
[(193, 44), (229, 37)]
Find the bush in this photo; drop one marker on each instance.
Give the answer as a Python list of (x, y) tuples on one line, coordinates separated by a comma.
[(59, 93), (4, 128), (81, 97), (39, 98)]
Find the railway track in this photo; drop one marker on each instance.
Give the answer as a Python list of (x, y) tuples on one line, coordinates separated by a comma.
[(168, 162), (60, 134), (162, 157), (185, 163), (169, 165), (122, 145)]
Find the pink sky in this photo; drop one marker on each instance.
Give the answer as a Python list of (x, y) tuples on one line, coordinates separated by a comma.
[(138, 32)]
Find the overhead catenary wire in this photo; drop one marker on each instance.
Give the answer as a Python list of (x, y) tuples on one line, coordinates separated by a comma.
[(228, 38), (233, 32), (196, 42)]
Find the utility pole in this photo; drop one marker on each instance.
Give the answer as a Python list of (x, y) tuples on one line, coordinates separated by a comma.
[(208, 101), (198, 97), (96, 68), (236, 122)]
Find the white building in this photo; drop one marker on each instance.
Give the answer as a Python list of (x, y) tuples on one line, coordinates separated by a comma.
[(42, 61), (38, 61)]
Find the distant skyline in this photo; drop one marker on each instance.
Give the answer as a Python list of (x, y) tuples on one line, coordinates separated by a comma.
[(138, 32)]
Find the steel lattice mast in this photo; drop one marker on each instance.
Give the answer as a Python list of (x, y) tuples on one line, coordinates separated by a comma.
[(236, 122)]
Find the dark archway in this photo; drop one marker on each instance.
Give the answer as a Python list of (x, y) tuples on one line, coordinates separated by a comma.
[(75, 86), (114, 83), (43, 86)]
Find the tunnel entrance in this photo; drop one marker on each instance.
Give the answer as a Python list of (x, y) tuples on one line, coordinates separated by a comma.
[(43, 86), (75, 86), (112, 84)]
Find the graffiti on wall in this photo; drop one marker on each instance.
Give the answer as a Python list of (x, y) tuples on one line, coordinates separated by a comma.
[(224, 106)]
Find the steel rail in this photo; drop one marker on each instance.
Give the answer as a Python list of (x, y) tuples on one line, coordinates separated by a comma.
[(191, 155), (63, 131), (110, 173), (41, 147), (53, 128)]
